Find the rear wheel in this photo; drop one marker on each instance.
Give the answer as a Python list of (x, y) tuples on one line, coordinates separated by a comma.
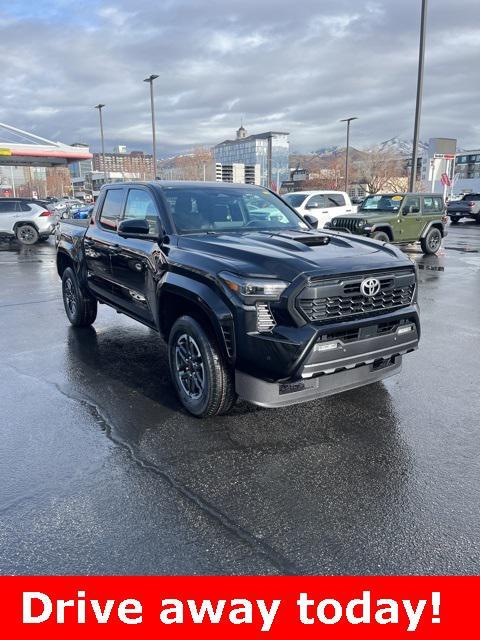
[(203, 381), (27, 234), (432, 241), (81, 309), (454, 220), (477, 219), (381, 236)]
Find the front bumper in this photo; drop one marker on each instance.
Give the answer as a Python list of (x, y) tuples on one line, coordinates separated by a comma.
[(336, 362), (274, 395)]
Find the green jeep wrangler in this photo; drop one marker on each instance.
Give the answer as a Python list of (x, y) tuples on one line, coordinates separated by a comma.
[(400, 218)]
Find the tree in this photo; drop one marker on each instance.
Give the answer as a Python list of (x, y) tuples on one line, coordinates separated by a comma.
[(195, 165), (379, 170)]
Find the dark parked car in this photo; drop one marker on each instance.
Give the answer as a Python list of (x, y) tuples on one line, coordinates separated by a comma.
[(467, 207), (252, 299)]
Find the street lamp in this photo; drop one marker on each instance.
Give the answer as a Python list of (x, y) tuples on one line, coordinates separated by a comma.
[(347, 120), (418, 104), (100, 107), (150, 80)]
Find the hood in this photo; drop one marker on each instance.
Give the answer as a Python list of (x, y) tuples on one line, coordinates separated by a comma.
[(286, 254)]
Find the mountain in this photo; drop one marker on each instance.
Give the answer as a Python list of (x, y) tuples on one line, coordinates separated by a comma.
[(328, 151), (401, 146)]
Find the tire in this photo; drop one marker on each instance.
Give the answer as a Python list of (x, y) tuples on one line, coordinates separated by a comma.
[(477, 219), (432, 242), (203, 381), (81, 309), (27, 234), (381, 236), (454, 220)]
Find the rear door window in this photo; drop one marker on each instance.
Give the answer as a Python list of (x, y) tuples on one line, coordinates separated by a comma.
[(112, 209), (432, 205), (411, 204), (335, 200), (7, 207)]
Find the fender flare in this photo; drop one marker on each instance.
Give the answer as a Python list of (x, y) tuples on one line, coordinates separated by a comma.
[(204, 297), (436, 223), (383, 226), (20, 223)]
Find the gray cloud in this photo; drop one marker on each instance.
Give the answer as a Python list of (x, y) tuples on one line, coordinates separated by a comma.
[(285, 66)]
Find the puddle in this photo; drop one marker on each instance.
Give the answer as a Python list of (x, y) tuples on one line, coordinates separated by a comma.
[(462, 249)]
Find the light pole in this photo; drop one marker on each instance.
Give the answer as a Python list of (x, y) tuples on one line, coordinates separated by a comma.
[(418, 105), (100, 107), (150, 80), (347, 120)]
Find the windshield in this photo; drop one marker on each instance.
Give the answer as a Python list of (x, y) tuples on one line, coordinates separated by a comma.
[(197, 209), (294, 199), (382, 203)]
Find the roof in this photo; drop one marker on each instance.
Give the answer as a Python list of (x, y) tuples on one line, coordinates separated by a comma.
[(178, 184), (18, 147), (313, 192), (255, 136)]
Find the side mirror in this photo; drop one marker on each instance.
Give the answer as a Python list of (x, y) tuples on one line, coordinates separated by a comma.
[(311, 220), (131, 228)]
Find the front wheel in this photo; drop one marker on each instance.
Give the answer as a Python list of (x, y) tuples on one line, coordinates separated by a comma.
[(432, 241), (381, 236), (81, 309), (27, 234), (203, 381)]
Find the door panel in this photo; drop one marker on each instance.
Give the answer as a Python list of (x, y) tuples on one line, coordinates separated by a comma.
[(7, 217), (136, 262), (100, 242), (410, 219)]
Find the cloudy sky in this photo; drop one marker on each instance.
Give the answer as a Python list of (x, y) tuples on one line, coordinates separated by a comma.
[(279, 64)]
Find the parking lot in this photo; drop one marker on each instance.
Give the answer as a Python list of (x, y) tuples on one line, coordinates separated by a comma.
[(103, 473)]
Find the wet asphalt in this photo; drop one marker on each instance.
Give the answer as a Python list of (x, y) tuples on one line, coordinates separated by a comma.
[(101, 472)]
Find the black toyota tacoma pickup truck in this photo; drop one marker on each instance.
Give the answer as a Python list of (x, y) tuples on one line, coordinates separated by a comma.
[(251, 299)]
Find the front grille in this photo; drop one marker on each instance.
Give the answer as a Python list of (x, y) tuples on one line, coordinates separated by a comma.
[(344, 307), (387, 327), (345, 336), (330, 300), (351, 224)]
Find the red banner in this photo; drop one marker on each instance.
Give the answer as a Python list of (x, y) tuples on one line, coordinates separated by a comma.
[(243, 607)]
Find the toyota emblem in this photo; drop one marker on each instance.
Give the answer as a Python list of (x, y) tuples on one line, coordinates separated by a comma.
[(370, 287)]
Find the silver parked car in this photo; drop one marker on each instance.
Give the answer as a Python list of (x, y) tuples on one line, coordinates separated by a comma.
[(26, 220)]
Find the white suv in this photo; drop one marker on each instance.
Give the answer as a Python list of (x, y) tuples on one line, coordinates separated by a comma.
[(25, 220), (323, 205)]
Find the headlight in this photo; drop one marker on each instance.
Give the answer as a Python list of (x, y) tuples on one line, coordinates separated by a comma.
[(251, 289)]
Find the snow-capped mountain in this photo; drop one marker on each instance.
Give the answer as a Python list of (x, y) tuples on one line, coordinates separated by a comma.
[(401, 146)]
